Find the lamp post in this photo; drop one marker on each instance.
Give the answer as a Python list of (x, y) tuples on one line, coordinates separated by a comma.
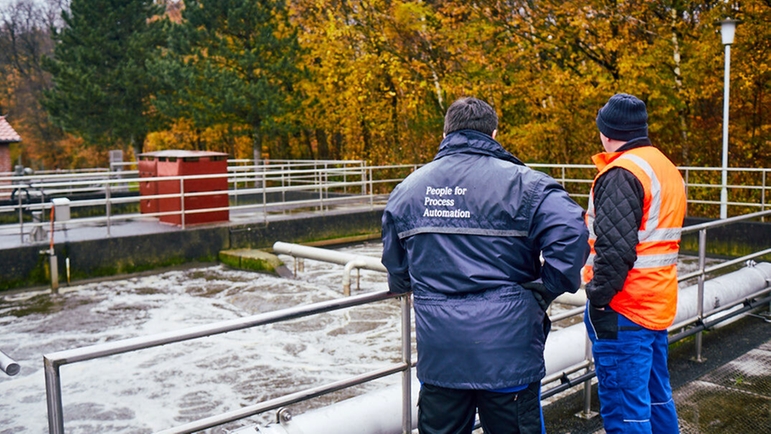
[(727, 31)]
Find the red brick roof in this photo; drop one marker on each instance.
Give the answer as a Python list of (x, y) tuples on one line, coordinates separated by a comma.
[(7, 134)]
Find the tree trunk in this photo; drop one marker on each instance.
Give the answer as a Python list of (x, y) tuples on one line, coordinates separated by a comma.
[(682, 112)]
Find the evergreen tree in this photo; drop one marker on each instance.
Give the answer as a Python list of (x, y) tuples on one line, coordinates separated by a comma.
[(230, 62), (102, 89)]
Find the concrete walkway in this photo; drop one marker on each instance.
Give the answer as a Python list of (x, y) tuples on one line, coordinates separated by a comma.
[(728, 392)]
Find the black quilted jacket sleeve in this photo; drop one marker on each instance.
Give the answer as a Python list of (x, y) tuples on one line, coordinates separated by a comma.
[(618, 203)]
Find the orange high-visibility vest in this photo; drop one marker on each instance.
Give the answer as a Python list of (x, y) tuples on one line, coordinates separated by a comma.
[(649, 294)]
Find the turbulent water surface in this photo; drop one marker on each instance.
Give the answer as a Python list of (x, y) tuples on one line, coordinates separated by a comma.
[(159, 388)]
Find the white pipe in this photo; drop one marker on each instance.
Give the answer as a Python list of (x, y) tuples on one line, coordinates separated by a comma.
[(349, 260), (356, 263), (379, 412), (577, 299), (8, 365), (335, 257), (722, 291), (375, 412)]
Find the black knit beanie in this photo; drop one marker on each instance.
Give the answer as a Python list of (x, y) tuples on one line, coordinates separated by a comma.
[(623, 118)]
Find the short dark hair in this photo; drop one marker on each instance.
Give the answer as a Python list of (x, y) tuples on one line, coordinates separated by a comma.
[(470, 114)]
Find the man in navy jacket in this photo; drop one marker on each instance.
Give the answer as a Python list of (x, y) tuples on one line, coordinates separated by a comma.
[(485, 244)]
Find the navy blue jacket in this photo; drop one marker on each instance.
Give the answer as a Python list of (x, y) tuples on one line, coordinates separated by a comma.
[(463, 232)]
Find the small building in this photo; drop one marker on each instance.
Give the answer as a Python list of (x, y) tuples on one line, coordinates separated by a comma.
[(7, 136)]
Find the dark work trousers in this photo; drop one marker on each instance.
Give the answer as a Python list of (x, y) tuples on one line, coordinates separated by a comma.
[(451, 411), (631, 366)]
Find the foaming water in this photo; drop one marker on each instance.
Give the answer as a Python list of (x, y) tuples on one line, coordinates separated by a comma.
[(159, 388)]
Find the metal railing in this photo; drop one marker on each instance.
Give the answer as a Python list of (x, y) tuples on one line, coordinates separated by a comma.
[(52, 362), (692, 326), (103, 198), (704, 271)]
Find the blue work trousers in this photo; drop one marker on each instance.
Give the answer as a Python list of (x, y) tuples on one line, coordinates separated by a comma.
[(631, 365)]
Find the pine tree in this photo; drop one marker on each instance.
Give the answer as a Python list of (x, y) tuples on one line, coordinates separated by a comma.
[(230, 62), (102, 89)]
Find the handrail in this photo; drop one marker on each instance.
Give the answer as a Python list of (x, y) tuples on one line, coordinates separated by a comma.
[(52, 362), (263, 188)]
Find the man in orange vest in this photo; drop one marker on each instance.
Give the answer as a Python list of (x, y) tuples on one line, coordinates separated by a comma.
[(635, 216)]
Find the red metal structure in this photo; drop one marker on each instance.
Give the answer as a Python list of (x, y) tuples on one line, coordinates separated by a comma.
[(175, 163)]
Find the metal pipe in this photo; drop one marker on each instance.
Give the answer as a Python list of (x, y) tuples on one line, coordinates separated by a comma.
[(724, 173), (722, 291), (355, 263), (335, 257), (407, 360), (700, 291), (376, 412), (8, 365), (54, 396)]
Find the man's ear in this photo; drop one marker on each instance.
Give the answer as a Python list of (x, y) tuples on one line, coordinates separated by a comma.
[(495, 132)]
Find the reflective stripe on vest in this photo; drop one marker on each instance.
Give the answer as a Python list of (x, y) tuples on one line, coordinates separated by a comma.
[(649, 295)]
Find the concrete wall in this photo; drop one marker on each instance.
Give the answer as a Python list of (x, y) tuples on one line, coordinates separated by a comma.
[(729, 241), (27, 267)]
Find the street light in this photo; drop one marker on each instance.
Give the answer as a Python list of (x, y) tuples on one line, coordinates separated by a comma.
[(727, 31)]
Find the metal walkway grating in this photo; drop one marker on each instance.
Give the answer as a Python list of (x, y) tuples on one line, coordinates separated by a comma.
[(734, 398)]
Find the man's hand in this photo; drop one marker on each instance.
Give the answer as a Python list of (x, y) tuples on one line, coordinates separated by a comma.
[(543, 296)]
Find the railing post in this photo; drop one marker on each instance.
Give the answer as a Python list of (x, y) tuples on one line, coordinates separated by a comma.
[(108, 204), (407, 359), (587, 412), (21, 217), (182, 201), (264, 199), (236, 178), (363, 172), (685, 179), (326, 183), (53, 397), (763, 196), (700, 297)]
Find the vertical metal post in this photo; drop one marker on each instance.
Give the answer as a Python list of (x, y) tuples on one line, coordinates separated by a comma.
[(685, 178), (763, 196), (236, 179), (21, 217), (326, 183), (283, 187), (264, 199), (53, 397), (371, 189), (108, 205), (182, 201), (363, 171), (700, 298), (587, 412), (724, 182), (407, 359)]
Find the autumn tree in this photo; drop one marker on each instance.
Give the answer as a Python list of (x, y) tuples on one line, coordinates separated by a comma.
[(25, 38), (102, 88), (230, 63)]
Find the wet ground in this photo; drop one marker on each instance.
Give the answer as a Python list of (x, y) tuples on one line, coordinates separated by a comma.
[(728, 392)]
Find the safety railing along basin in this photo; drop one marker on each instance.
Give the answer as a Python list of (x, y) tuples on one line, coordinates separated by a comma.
[(52, 362)]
